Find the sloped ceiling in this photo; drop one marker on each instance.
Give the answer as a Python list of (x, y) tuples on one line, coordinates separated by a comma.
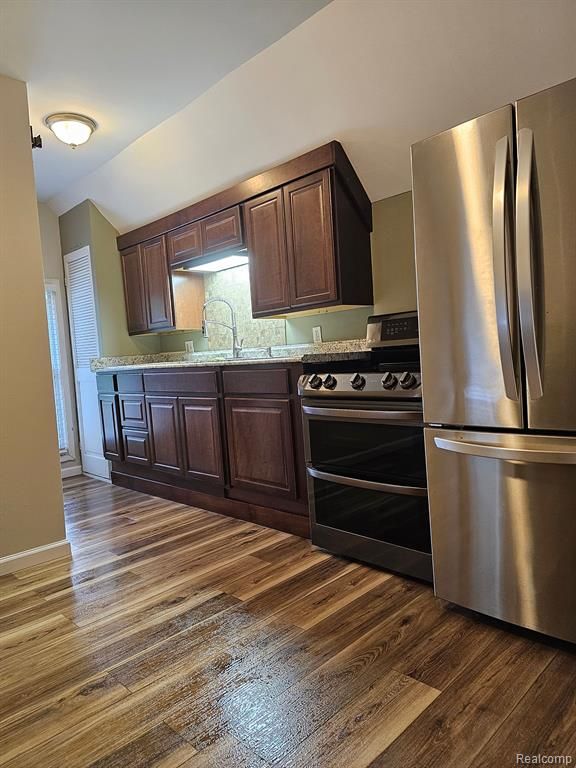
[(129, 64), (375, 74)]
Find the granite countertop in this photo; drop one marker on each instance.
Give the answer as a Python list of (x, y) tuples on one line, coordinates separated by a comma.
[(354, 349)]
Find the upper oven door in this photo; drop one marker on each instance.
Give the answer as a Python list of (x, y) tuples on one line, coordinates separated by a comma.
[(380, 443)]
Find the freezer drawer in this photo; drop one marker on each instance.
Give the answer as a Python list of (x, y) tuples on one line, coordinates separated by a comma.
[(503, 520)]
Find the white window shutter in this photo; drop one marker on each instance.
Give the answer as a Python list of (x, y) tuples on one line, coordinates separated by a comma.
[(82, 309)]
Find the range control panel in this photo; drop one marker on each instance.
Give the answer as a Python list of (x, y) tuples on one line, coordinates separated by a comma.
[(391, 330), (398, 385)]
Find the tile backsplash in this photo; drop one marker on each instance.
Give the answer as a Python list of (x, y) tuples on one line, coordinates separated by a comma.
[(234, 285)]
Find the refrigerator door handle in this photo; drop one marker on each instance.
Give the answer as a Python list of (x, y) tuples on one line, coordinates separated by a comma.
[(528, 455), (501, 243), (525, 264)]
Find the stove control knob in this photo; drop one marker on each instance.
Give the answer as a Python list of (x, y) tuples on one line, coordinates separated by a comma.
[(357, 381), (408, 380), (315, 381), (389, 381), (330, 382)]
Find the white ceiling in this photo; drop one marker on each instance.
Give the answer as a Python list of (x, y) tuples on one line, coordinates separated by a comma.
[(376, 74), (129, 64)]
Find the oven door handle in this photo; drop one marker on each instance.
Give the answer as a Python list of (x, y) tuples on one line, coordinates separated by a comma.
[(351, 413), (368, 485)]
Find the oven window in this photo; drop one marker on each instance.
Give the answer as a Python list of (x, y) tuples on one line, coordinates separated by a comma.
[(381, 452), (395, 519)]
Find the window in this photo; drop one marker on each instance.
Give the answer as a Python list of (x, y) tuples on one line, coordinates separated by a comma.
[(64, 418)]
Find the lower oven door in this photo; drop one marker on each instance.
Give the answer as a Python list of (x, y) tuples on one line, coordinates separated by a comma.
[(367, 485)]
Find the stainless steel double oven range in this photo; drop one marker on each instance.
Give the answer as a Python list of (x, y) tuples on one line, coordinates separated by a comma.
[(364, 446)]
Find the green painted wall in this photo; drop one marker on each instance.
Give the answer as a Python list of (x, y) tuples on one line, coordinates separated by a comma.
[(347, 324), (393, 264), (175, 342), (85, 225)]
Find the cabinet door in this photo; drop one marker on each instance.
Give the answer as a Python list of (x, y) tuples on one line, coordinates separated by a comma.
[(136, 445), (201, 438), (164, 433), (310, 240), (222, 231), (261, 445), (184, 243), (157, 284), (132, 411), (266, 241), (134, 292), (110, 427)]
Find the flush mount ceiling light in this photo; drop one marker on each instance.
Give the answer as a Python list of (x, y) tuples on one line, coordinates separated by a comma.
[(71, 129)]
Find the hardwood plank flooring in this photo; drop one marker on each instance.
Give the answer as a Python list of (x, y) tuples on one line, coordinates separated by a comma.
[(175, 637)]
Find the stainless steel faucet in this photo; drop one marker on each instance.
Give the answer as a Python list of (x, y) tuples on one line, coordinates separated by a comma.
[(236, 345)]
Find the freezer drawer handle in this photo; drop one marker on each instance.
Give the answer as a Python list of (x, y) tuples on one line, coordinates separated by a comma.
[(501, 244), (527, 455), (525, 264), (351, 413), (368, 485)]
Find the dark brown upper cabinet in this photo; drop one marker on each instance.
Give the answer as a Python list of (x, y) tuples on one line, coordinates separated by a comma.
[(160, 314), (222, 231), (309, 247), (184, 243), (147, 289), (310, 241), (134, 291), (266, 240), (307, 228)]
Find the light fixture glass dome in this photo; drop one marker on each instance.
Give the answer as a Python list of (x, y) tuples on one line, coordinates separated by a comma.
[(70, 128)]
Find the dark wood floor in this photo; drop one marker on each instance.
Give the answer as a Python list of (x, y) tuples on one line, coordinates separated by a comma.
[(177, 637)]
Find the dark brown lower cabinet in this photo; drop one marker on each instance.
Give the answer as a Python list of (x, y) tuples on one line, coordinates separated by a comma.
[(164, 433), (227, 440), (261, 445), (110, 426), (202, 439), (136, 445)]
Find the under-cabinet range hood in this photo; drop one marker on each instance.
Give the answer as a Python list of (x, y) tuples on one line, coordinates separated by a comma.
[(188, 285)]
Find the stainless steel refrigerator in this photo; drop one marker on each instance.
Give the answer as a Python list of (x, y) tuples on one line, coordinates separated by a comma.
[(495, 235)]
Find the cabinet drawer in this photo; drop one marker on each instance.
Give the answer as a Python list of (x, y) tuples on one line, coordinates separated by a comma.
[(133, 411), (222, 231), (203, 382), (136, 446), (184, 243), (106, 382), (129, 382), (273, 381)]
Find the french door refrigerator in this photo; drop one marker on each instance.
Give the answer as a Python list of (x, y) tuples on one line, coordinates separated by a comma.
[(495, 237)]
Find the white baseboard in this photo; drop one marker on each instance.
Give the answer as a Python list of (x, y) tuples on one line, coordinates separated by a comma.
[(96, 466), (36, 556), (70, 471)]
